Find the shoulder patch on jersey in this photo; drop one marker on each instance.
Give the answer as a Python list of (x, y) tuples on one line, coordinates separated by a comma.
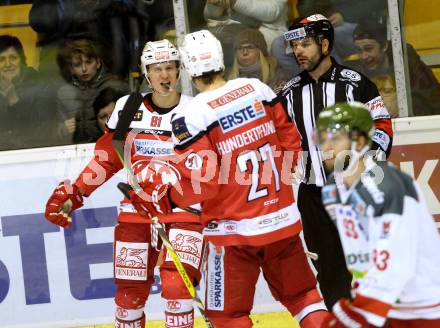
[(351, 75), (180, 130)]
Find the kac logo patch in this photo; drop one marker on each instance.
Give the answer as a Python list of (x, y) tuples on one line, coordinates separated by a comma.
[(121, 312), (161, 55), (231, 227), (155, 170), (173, 306)]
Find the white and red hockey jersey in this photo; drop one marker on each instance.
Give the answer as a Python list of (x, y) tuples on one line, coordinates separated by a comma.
[(237, 147), (390, 242), (151, 149)]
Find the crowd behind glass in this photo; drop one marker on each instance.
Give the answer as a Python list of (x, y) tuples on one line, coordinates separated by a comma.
[(89, 58)]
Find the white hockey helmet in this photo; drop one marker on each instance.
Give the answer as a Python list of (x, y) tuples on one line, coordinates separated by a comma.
[(156, 52), (201, 52)]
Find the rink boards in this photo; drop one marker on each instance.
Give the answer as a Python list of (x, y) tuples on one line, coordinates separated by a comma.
[(55, 278)]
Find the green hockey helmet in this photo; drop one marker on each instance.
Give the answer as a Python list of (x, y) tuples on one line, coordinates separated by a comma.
[(352, 117)]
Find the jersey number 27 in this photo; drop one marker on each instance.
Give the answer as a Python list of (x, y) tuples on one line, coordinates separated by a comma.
[(266, 154)]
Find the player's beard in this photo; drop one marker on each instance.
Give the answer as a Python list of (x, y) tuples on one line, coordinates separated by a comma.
[(311, 64)]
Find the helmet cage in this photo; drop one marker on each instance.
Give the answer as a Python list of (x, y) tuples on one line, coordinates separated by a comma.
[(337, 129)]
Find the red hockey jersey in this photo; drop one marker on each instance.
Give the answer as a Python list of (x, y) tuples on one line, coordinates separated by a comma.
[(151, 148), (237, 147)]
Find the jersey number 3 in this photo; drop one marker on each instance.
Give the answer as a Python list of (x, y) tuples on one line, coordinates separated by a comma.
[(266, 156)]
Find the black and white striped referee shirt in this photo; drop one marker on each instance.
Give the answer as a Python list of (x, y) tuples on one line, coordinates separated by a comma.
[(304, 98)]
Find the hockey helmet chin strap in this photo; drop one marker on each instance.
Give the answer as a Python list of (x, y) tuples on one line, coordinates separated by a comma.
[(160, 93), (355, 156)]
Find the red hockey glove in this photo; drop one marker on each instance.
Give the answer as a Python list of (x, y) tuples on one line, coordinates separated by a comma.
[(343, 316), (152, 201), (64, 200)]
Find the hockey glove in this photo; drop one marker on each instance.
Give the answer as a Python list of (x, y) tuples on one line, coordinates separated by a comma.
[(64, 200), (152, 201), (343, 316)]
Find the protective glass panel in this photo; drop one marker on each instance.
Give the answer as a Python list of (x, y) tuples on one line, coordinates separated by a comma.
[(421, 23)]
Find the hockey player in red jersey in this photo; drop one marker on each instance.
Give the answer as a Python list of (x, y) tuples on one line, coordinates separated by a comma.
[(238, 148), (389, 238), (136, 250)]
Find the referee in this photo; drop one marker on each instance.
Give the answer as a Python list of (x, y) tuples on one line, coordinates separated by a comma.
[(322, 83)]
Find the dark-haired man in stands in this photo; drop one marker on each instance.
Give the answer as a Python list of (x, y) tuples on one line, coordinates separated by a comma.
[(376, 59)]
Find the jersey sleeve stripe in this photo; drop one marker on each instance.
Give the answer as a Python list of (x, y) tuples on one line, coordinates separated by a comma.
[(371, 305), (385, 125)]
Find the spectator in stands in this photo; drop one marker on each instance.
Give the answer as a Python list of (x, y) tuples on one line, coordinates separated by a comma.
[(104, 105), (121, 26), (284, 54), (387, 88), (225, 18), (376, 58), (344, 16), (26, 117), (253, 60), (87, 76)]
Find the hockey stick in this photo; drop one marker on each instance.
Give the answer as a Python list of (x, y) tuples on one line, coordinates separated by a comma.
[(124, 188), (130, 108)]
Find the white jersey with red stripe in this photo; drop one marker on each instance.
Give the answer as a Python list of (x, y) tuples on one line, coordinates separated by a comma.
[(391, 244), (151, 146), (238, 146)]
